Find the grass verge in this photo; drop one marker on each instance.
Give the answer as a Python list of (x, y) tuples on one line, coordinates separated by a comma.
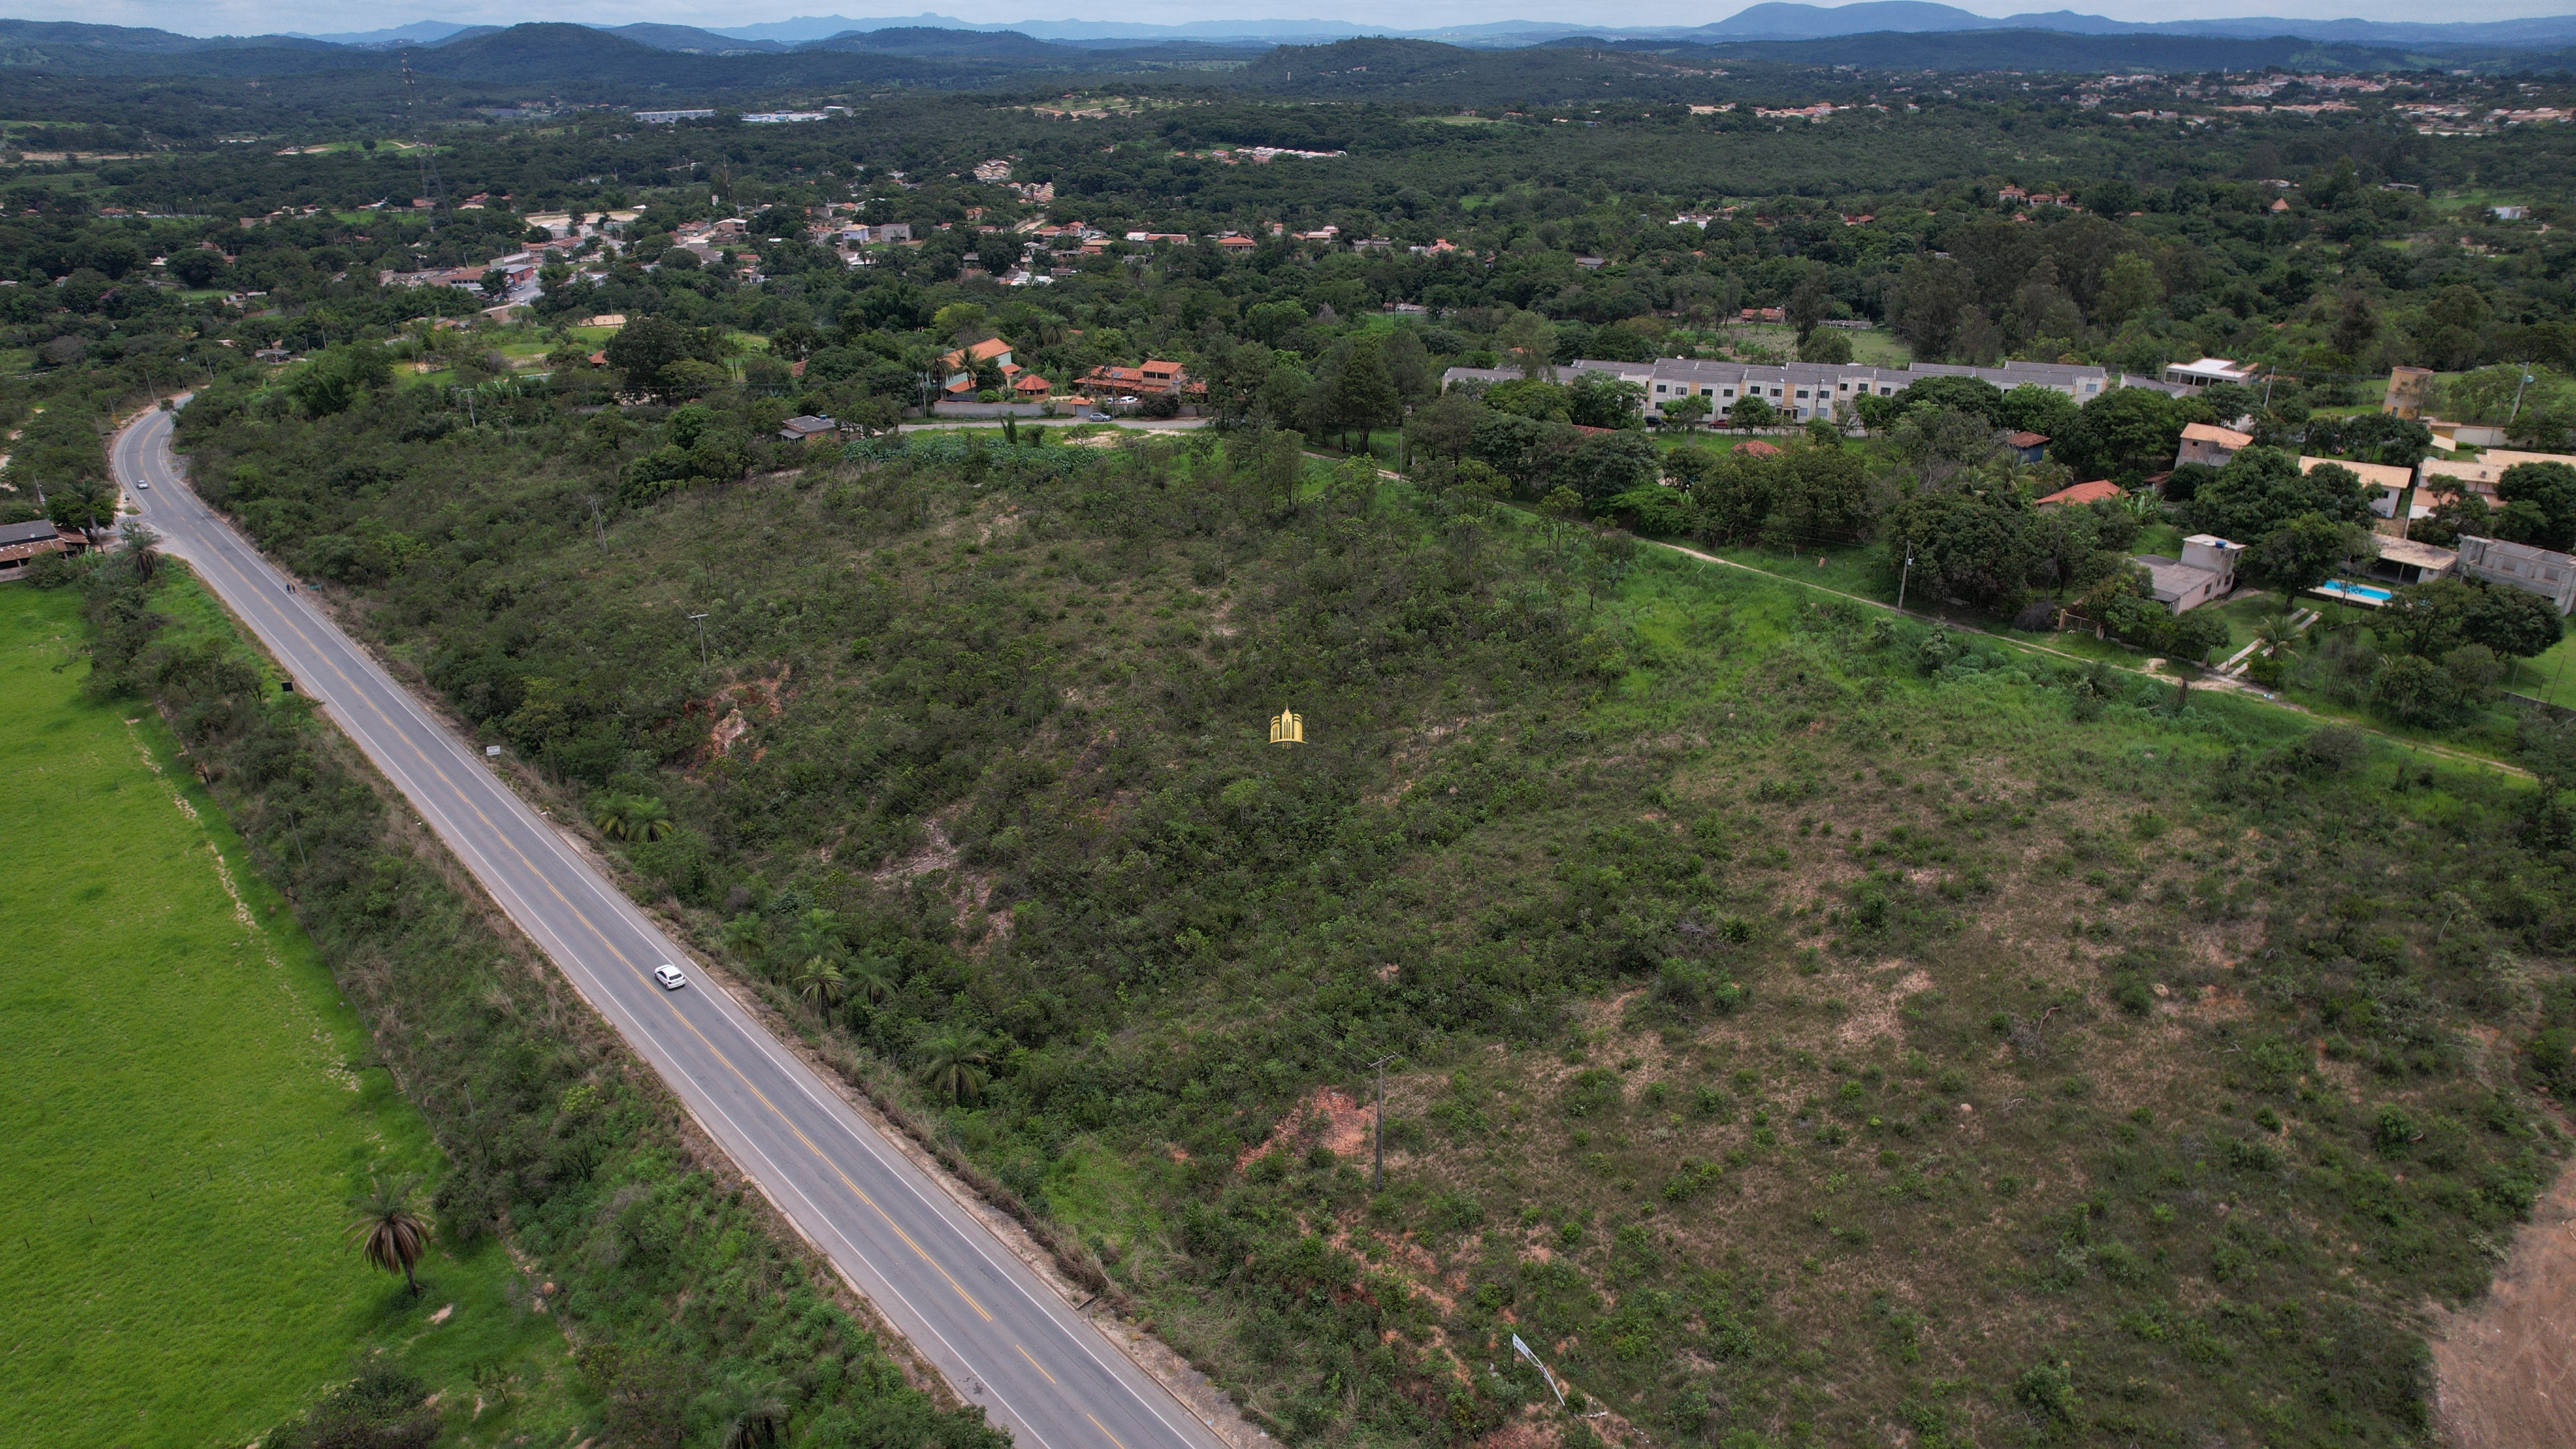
[(188, 1109)]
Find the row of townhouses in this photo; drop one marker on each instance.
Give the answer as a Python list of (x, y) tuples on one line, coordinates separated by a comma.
[(1799, 391)]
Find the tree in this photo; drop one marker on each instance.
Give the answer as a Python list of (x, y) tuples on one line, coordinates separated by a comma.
[(1972, 395), (1273, 322), (2418, 691), (142, 552), (1751, 413), (197, 267), (388, 1233), (963, 322), (2124, 434), (2371, 438), (1444, 427), (645, 348), (1597, 400), (1531, 344), (382, 1408), (2355, 325), (2303, 551), (1965, 545), (2031, 408), (1600, 466), (2457, 513), (818, 981), (331, 381), (2540, 505), (1829, 345), (1927, 302), (2261, 489), (755, 1419), (1530, 398), (953, 1063), (2438, 616), (641, 819), (1685, 412), (1809, 302), (1362, 396), (1689, 465), (871, 977), (648, 1403), (2129, 287), (1939, 444)]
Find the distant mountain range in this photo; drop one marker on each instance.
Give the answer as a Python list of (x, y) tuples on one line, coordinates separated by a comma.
[(627, 63), (1774, 20)]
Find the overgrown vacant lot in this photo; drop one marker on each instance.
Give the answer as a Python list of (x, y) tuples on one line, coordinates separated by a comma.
[(185, 1120), (1806, 1028)]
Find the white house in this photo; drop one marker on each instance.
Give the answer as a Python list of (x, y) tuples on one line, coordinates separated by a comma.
[(2207, 370), (2206, 571)]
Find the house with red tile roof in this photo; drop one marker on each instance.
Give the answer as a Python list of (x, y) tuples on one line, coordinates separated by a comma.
[(2082, 493)]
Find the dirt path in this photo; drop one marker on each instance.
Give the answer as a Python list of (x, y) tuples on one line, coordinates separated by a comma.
[(2505, 1371)]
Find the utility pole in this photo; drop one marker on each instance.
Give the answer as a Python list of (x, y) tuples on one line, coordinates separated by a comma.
[(1377, 1128), (598, 525), (2517, 395), (1906, 577), (701, 621)]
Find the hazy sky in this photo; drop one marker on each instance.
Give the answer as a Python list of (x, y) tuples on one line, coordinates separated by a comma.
[(250, 17)]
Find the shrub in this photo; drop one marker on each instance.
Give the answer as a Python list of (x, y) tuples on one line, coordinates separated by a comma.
[(1591, 1093), (2048, 1392), (381, 1409), (2552, 1055), (2333, 749)]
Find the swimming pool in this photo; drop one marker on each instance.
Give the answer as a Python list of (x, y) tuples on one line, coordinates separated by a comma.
[(2369, 595)]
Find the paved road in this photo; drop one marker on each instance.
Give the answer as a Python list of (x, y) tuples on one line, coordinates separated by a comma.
[(999, 1333)]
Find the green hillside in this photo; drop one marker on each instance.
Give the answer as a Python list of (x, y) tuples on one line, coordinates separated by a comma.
[(1803, 1026)]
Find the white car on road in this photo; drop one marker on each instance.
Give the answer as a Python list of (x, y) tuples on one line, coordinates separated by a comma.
[(670, 977)]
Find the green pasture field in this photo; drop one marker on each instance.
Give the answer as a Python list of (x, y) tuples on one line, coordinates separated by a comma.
[(188, 1111)]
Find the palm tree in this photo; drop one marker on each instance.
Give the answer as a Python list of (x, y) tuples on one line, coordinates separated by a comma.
[(2277, 634), (647, 818), (608, 812), (873, 976), (953, 1063), (814, 957), (638, 818), (754, 1418), (818, 980), (388, 1233), (746, 936)]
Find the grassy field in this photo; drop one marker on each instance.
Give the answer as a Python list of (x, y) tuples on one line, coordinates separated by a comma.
[(182, 1089)]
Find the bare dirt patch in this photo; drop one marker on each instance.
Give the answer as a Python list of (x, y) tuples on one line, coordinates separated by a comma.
[(1329, 1117), (2506, 1370)]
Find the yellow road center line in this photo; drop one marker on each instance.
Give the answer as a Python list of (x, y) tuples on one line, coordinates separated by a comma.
[(1103, 1428), (1042, 1373)]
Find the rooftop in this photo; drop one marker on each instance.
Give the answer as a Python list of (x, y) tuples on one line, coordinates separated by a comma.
[(2227, 438), (2082, 493)]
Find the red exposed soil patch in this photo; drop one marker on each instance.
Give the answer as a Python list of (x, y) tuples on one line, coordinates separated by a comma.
[(2506, 1370), (728, 704), (1329, 1116)]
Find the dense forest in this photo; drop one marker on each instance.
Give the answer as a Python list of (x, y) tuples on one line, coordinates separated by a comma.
[(1804, 1022)]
